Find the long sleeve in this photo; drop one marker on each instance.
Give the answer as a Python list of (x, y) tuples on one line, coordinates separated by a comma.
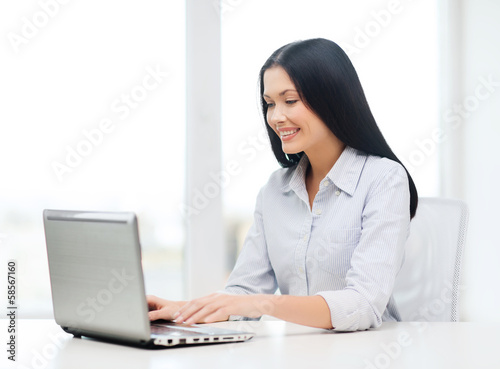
[(253, 272), (376, 259)]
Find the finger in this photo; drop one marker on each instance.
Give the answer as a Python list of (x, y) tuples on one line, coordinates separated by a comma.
[(153, 302), (192, 307), (211, 316), (163, 313), (154, 314), (213, 310), (217, 316), (201, 315), (188, 310), (196, 304)]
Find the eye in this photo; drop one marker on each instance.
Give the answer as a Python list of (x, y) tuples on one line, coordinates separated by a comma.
[(269, 105), (291, 102)]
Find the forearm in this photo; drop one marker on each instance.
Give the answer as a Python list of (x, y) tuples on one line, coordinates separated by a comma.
[(311, 311)]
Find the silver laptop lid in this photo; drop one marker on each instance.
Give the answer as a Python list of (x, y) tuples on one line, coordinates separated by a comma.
[(96, 273)]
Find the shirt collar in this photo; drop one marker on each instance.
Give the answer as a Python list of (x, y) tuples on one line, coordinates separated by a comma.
[(346, 171), (297, 181), (344, 174)]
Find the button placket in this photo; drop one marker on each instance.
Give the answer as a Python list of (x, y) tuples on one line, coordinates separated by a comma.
[(300, 256)]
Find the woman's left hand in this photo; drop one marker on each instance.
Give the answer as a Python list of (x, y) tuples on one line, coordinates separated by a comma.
[(218, 307)]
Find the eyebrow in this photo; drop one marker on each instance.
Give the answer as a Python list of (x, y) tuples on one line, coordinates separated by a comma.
[(282, 92)]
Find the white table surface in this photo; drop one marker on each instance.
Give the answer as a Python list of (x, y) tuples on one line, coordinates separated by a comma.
[(277, 344)]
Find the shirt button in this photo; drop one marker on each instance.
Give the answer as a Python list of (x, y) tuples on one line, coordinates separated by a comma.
[(318, 211), (301, 270), (305, 237), (326, 183), (337, 192)]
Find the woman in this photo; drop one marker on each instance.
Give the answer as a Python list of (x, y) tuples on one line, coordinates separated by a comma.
[(330, 227)]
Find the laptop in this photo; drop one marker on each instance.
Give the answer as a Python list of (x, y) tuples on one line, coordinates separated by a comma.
[(98, 285)]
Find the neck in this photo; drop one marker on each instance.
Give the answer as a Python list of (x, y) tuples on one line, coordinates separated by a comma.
[(322, 161)]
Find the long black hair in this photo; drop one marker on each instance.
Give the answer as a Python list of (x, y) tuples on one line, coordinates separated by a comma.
[(328, 84)]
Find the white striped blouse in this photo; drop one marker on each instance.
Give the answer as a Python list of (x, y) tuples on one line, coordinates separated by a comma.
[(348, 248)]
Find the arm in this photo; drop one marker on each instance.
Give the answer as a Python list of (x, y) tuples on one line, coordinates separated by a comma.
[(312, 311), (252, 275), (253, 272), (377, 258)]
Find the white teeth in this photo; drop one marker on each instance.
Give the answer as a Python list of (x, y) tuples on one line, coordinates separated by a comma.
[(287, 133)]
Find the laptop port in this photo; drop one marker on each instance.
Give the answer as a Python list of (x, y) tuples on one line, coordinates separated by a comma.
[(227, 338), (216, 338), (196, 339), (182, 341), (170, 341), (206, 339)]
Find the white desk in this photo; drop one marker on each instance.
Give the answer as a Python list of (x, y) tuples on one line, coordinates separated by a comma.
[(42, 344)]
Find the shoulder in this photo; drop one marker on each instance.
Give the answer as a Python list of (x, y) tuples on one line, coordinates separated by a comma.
[(383, 173), (358, 172), (279, 180), (377, 167)]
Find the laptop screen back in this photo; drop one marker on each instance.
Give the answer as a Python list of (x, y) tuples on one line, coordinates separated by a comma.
[(96, 273)]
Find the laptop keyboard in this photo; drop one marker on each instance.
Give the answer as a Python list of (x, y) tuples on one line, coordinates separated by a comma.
[(172, 330)]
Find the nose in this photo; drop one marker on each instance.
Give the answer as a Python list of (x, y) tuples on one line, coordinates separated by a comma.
[(275, 115)]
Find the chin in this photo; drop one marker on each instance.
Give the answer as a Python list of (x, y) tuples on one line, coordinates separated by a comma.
[(291, 151)]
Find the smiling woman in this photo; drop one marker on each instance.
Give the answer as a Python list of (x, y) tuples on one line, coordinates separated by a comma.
[(299, 128), (335, 108), (330, 227), (296, 125)]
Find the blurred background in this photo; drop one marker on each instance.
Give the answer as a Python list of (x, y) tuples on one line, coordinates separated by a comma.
[(94, 116)]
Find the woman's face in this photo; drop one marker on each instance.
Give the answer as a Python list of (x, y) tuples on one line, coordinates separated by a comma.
[(297, 126)]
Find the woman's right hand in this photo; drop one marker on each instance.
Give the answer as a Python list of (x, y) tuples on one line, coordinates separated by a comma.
[(161, 308)]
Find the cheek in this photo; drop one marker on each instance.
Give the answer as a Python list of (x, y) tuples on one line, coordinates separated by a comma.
[(299, 114)]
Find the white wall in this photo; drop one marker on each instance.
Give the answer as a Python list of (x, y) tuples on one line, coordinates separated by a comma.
[(480, 169)]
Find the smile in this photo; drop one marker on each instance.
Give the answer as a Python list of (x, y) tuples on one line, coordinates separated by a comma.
[(288, 135)]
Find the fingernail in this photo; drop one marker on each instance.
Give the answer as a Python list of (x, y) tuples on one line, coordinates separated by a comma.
[(176, 314), (179, 319)]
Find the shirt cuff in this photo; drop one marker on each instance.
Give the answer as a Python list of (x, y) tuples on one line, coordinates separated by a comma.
[(349, 311)]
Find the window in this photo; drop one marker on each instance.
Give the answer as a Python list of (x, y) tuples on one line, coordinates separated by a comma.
[(93, 118)]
